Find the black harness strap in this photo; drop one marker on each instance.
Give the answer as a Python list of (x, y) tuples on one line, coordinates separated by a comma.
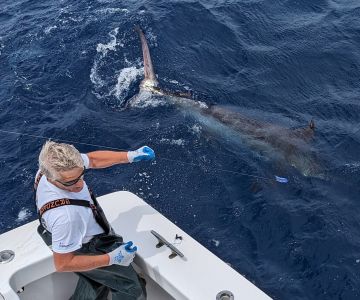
[(96, 209), (63, 202)]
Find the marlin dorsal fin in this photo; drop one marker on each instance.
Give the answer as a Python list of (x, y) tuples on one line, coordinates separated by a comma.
[(149, 75), (305, 133)]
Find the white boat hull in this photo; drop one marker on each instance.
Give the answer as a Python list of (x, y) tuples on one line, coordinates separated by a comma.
[(198, 275)]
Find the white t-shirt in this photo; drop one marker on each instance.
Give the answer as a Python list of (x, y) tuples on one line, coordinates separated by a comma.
[(70, 225)]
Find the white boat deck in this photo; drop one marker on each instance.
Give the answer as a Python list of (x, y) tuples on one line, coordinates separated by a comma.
[(199, 275)]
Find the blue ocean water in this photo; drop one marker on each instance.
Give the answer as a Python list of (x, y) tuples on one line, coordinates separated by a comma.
[(68, 68)]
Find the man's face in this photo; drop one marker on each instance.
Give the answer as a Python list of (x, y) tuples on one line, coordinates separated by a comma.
[(71, 180)]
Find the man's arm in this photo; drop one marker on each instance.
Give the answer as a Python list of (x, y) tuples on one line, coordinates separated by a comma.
[(104, 159), (69, 262)]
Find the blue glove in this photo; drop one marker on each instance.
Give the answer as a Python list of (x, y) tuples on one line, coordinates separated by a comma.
[(123, 255), (143, 153)]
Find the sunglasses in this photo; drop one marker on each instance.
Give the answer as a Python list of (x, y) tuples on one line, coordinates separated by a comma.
[(74, 181)]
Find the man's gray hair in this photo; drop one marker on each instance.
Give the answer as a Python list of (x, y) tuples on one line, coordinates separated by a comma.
[(58, 157)]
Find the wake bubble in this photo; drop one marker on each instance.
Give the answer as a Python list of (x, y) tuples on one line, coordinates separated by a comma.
[(113, 10), (49, 29), (2, 46), (179, 142), (95, 77), (195, 129), (352, 167), (23, 215), (105, 1), (215, 242), (176, 83)]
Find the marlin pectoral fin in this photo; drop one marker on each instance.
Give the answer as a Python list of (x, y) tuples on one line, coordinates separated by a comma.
[(187, 95)]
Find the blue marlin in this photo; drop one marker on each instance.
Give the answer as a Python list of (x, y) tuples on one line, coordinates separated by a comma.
[(278, 143)]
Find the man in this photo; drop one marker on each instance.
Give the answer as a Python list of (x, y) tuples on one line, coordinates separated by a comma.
[(72, 222)]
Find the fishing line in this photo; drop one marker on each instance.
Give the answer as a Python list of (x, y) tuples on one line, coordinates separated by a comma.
[(277, 178), (217, 169), (60, 140)]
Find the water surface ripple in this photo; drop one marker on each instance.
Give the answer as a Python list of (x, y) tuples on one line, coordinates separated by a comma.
[(68, 68)]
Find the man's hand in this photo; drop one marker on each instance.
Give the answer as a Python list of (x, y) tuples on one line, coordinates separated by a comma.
[(123, 255), (143, 153)]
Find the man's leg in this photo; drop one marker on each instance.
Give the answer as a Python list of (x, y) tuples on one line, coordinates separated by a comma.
[(87, 289), (123, 282)]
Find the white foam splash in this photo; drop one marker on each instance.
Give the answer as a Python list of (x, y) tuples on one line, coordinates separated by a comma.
[(178, 142), (78, 19), (149, 102), (352, 167), (195, 129), (105, 1), (174, 81), (104, 48), (125, 78), (23, 215), (146, 175), (151, 37), (113, 10), (95, 77), (216, 242), (49, 29), (146, 99), (126, 75)]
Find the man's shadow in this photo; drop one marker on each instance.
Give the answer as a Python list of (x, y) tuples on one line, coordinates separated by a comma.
[(133, 225)]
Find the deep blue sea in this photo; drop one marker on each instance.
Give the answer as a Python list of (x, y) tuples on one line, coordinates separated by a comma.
[(68, 68)]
